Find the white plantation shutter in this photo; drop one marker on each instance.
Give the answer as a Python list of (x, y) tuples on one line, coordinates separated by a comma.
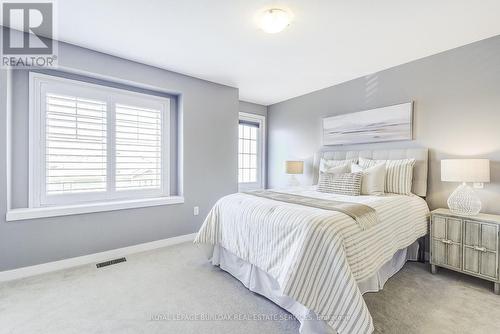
[(138, 148), (75, 145), (91, 143)]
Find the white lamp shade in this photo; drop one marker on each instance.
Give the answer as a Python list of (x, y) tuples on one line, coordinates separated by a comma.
[(465, 170), (294, 167)]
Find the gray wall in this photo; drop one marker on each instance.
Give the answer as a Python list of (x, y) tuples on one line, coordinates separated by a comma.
[(253, 108), (457, 114), (208, 117)]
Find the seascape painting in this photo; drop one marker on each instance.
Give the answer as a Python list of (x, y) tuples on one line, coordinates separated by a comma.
[(391, 123)]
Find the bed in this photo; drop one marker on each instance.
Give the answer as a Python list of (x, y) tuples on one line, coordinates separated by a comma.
[(313, 262)]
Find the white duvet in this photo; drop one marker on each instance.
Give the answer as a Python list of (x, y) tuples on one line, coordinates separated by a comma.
[(317, 255)]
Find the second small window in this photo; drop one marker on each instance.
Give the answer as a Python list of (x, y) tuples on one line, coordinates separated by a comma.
[(251, 139)]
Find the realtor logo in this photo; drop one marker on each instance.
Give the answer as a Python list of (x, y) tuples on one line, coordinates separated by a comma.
[(28, 35)]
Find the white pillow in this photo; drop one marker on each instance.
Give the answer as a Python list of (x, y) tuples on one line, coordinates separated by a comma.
[(398, 174), (373, 180), (326, 164), (346, 168)]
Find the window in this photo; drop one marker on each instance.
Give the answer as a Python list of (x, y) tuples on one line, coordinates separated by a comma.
[(251, 144), (138, 148), (91, 143)]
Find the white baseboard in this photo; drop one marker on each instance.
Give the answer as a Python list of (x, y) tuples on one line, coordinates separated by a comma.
[(13, 274)]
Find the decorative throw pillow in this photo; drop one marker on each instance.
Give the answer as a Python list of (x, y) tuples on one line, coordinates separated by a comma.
[(373, 180), (398, 174), (338, 169), (342, 184), (326, 164)]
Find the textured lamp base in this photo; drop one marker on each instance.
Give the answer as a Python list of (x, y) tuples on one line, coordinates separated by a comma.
[(293, 181), (464, 201)]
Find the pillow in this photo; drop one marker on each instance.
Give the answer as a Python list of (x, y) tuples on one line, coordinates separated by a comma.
[(398, 174), (373, 180), (337, 170), (326, 164), (342, 184)]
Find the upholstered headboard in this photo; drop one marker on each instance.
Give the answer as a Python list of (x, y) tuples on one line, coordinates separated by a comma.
[(421, 155)]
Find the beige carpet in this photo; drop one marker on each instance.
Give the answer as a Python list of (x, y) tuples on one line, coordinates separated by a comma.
[(174, 290)]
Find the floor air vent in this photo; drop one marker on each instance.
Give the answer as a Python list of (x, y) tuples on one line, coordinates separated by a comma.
[(110, 262)]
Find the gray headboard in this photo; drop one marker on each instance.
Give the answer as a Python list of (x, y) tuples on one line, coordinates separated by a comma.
[(421, 155)]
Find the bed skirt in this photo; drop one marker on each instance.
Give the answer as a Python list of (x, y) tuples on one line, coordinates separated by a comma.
[(260, 282)]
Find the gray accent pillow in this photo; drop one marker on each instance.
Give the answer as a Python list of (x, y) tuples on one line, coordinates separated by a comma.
[(343, 184)]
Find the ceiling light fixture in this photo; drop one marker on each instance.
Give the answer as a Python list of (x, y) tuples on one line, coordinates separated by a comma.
[(274, 20)]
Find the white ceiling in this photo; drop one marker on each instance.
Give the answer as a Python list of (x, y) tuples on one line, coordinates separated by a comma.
[(329, 41)]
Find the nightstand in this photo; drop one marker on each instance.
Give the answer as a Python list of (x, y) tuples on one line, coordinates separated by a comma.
[(468, 244)]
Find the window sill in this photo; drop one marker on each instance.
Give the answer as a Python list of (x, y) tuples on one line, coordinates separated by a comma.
[(66, 210)]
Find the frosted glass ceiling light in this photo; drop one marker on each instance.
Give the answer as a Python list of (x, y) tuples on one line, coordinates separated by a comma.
[(274, 20)]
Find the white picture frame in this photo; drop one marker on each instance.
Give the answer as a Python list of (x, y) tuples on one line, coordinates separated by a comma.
[(391, 123)]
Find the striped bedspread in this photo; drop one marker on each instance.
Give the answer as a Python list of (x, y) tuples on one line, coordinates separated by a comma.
[(364, 215), (317, 256)]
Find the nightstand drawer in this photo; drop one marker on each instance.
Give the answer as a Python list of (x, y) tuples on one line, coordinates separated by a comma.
[(447, 228), (446, 253), (438, 230), (468, 244), (481, 262), (454, 229), (446, 239), (481, 249)]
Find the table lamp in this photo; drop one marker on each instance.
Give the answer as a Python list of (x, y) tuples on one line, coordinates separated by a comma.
[(464, 199), (293, 168)]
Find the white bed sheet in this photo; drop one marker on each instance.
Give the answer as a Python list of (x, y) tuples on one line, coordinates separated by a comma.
[(260, 282)]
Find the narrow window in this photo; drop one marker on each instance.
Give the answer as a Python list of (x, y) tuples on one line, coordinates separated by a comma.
[(251, 144)]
